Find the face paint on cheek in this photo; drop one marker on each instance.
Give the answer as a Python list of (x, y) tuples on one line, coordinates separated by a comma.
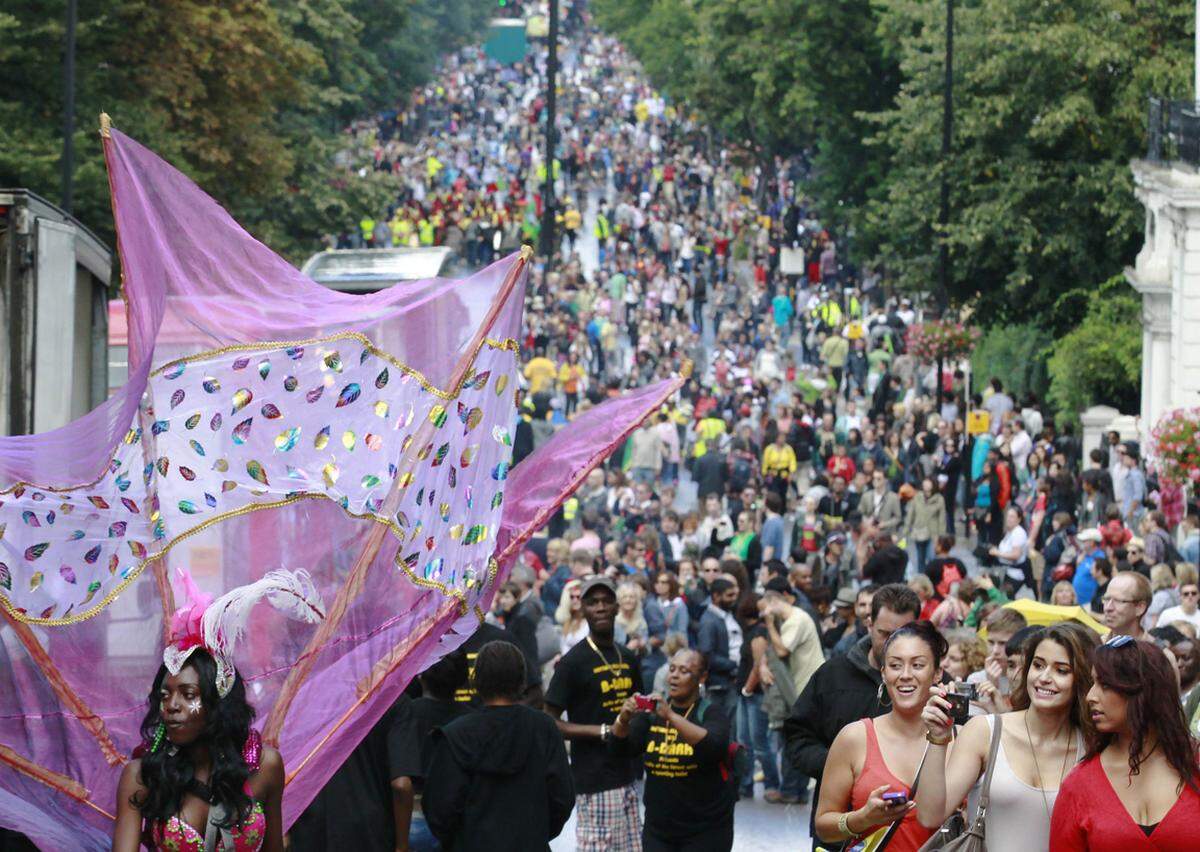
[(194, 707)]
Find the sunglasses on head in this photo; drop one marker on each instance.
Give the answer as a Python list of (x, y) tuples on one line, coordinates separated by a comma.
[(1118, 641)]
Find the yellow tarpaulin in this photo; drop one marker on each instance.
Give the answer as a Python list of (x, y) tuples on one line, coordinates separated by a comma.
[(1043, 615)]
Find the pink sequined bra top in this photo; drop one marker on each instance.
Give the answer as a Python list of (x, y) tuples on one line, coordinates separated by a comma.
[(178, 835)]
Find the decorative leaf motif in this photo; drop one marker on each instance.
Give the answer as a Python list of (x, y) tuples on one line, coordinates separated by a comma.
[(241, 432), (437, 415), (255, 469), (227, 486), (163, 465), (501, 383), (349, 393), (220, 465), (175, 370), (30, 518), (34, 552), (137, 549), (333, 361), (270, 412), (241, 363), (215, 423), (453, 476), (382, 379), (425, 451), (177, 398), (381, 409), (315, 394), (67, 573), (330, 473), (98, 502), (197, 447), (210, 500), (5, 577), (322, 439), (440, 455), (287, 439), (479, 381), (117, 529), (370, 481), (92, 588), (35, 581), (497, 499), (500, 434), (468, 456), (349, 440), (241, 398), (187, 473), (188, 507), (130, 505), (500, 471), (192, 422), (295, 352), (211, 385), (92, 555), (159, 426), (374, 443)]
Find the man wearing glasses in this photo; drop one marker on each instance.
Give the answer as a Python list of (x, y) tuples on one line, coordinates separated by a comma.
[(1125, 602), (1188, 609)]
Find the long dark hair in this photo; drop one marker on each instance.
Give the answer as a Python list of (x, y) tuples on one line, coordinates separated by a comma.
[(1141, 672), (227, 726)]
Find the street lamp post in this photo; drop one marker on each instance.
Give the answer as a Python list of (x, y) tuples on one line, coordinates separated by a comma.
[(549, 205), (944, 211), (68, 152)]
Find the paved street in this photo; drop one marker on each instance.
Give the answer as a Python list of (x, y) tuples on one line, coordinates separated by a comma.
[(758, 827)]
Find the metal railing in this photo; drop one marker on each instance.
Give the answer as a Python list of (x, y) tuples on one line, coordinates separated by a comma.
[(1173, 131)]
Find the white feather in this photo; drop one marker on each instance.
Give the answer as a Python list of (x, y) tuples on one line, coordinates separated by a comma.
[(291, 592)]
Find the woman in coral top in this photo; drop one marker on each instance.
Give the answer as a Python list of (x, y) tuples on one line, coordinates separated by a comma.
[(867, 784), (1139, 786)]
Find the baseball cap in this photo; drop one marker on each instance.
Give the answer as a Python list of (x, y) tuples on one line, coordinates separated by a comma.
[(1089, 535), (598, 582)]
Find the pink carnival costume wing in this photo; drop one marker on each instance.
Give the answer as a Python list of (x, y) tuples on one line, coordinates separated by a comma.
[(269, 424)]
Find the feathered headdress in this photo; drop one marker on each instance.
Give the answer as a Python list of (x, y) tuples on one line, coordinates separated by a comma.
[(216, 626)]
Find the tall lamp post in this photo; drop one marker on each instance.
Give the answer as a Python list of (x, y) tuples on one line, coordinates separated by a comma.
[(68, 153), (549, 205), (944, 210)]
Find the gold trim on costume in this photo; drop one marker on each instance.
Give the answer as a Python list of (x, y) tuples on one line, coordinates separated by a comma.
[(105, 126)]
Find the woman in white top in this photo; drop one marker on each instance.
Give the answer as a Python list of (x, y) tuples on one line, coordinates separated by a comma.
[(1013, 552), (1041, 741)]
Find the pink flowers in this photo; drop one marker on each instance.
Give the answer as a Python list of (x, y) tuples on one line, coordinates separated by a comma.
[(1176, 444), (940, 338)]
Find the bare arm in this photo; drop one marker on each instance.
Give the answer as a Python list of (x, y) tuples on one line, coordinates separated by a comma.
[(127, 831), (572, 730), (773, 634), (948, 773), (758, 648), (403, 798), (836, 784), (269, 790)]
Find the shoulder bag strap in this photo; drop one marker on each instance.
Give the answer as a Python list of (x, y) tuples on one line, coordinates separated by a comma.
[(912, 794), (217, 839), (993, 748)]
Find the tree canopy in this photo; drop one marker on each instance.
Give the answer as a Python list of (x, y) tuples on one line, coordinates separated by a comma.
[(248, 97)]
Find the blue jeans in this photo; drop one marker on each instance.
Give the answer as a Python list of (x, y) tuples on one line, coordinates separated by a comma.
[(752, 733), (794, 783), (420, 838)]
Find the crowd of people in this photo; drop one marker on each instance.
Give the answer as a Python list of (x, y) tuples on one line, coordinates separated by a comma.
[(807, 575)]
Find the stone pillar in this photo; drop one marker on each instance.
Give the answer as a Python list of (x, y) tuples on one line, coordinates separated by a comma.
[(1167, 275)]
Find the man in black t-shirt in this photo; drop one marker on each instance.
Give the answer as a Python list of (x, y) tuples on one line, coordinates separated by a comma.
[(591, 683)]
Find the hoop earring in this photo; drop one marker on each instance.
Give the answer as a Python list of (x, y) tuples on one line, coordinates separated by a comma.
[(158, 737), (879, 696)]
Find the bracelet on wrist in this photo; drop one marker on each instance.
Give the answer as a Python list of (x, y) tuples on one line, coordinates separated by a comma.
[(605, 730), (938, 741), (843, 824)]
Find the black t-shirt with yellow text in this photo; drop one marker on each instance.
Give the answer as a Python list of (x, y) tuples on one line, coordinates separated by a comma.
[(591, 689)]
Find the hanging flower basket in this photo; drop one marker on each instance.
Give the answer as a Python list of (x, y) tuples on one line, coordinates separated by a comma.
[(946, 339), (1176, 446)]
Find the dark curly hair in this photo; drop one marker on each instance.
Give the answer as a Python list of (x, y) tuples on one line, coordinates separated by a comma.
[(226, 729)]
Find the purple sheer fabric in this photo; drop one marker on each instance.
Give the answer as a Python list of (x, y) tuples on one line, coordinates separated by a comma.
[(267, 423)]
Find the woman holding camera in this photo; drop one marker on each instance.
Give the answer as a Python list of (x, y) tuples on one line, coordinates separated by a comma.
[(684, 740), (869, 773), (1041, 740)]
